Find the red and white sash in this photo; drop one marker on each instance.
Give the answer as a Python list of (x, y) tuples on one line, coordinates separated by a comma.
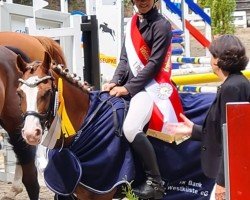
[(167, 105)]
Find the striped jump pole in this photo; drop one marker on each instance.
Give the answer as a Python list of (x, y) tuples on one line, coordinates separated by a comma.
[(192, 60), (177, 32), (186, 25), (201, 78), (197, 89), (177, 51), (191, 70), (180, 62), (177, 40)]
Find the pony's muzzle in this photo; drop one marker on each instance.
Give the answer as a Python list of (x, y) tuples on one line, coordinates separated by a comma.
[(32, 137)]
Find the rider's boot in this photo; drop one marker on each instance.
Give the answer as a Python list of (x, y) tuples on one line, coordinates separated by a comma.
[(153, 187)]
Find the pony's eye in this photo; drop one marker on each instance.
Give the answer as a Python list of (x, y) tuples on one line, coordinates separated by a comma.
[(19, 93), (46, 94), (45, 81)]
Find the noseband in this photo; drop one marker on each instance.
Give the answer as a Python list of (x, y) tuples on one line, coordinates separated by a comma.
[(50, 111)]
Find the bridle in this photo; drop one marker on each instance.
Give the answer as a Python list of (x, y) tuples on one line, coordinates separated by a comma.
[(46, 118)]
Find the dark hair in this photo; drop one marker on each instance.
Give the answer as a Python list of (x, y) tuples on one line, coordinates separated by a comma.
[(230, 52)]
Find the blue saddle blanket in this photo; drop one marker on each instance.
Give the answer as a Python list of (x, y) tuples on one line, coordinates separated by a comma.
[(106, 160)]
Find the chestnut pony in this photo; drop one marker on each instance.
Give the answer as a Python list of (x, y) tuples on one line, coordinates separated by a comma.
[(32, 48), (37, 89), (83, 134)]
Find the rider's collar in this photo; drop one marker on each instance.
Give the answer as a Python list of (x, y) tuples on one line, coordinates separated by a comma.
[(150, 14)]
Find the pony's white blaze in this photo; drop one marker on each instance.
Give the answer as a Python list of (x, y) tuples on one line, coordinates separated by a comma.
[(32, 130)]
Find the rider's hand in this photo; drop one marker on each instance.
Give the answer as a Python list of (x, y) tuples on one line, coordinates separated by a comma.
[(119, 91), (108, 86), (182, 128)]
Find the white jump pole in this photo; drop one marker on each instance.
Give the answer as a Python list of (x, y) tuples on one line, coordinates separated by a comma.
[(64, 6)]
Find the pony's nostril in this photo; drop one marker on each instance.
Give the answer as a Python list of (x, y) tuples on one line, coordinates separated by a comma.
[(38, 132)]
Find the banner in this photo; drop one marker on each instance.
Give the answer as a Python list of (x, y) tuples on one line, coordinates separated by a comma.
[(110, 30)]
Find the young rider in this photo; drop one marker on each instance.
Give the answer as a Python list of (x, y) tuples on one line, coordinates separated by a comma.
[(144, 68)]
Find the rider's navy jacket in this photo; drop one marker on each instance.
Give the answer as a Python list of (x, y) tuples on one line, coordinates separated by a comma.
[(156, 31)]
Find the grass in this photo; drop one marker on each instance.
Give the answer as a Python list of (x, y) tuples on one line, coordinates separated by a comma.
[(127, 190)]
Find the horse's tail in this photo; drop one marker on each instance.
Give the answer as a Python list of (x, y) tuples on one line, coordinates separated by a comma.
[(53, 48)]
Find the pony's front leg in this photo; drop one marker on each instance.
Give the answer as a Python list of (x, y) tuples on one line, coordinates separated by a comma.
[(17, 186), (30, 180)]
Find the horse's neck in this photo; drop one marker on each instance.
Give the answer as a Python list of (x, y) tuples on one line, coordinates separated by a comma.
[(76, 103)]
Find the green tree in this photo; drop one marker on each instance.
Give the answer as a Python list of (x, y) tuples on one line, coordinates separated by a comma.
[(205, 3), (221, 15), (128, 8), (23, 2), (126, 3)]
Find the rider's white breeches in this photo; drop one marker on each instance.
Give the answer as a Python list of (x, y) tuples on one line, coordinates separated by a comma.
[(139, 114)]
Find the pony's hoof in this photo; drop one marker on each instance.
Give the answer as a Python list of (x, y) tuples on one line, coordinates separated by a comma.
[(11, 195)]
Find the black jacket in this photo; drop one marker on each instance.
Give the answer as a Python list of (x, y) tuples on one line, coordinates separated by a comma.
[(156, 31), (236, 88)]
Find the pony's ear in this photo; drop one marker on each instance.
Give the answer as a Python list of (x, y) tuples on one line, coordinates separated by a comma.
[(21, 64), (46, 60)]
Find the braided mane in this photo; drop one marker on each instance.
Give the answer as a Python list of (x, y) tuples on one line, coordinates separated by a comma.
[(71, 78)]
